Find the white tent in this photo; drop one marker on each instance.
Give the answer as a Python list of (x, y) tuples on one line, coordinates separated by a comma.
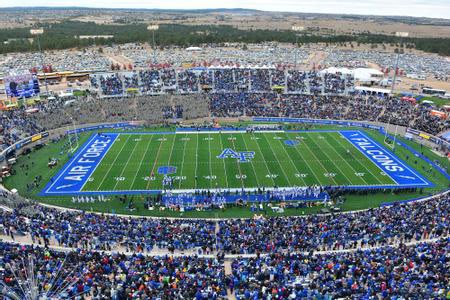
[(194, 49), (367, 74)]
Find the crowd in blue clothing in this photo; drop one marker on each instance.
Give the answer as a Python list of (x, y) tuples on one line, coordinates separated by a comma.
[(258, 80), (374, 227), (110, 84), (18, 123), (95, 275), (420, 271), (15, 125), (404, 272), (319, 106), (92, 231)]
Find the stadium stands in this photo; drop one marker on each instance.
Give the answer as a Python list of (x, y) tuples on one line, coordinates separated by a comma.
[(376, 227), (399, 251)]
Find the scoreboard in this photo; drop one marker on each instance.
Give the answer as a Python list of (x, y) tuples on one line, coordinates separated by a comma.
[(24, 85)]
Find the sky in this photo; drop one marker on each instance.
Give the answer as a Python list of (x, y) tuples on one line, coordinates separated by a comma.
[(417, 8)]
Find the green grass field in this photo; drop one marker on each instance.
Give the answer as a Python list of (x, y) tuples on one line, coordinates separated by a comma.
[(321, 158), (37, 162)]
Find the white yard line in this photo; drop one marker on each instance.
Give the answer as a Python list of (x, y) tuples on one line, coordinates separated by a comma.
[(142, 160), (128, 160), (182, 161), (171, 151), (264, 159), (365, 167), (292, 162), (309, 167), (251, 160), (238, 164), (210, 169), (332, 161), (281, 167), (318, 160), (224, 165), (196, 163), (115, 159), (170, 155), (155, 162)]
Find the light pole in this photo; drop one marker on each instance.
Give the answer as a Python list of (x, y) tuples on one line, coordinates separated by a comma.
[(153, 28), (400, 35), (72, 149), (297, 29), (37, 33)]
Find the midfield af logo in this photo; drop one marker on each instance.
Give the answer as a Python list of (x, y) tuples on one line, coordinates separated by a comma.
[(245, 156)]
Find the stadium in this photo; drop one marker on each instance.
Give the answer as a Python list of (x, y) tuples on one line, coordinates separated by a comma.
[(191, 174)]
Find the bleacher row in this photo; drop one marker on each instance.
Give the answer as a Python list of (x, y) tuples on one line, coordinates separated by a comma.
[(183, 81), (396, 252)]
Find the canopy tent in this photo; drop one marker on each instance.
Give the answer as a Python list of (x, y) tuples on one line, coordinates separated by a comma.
[(360, 74), (439, 114)]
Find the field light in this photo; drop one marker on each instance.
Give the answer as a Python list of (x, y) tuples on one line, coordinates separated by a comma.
[(401, 34), (37, 32), (296, 28), (153, 28)]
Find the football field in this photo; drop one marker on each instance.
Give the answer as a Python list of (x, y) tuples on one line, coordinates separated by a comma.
[(135, 163)]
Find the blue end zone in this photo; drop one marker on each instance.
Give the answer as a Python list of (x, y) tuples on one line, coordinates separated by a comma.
[(71, 179), (394, 167)]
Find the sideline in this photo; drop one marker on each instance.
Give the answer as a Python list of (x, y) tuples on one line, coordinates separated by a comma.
[(422, 199)]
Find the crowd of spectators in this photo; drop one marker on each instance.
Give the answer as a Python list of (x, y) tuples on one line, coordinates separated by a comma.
[(221, 79), (355, 107), (405, 272), (390, 252), (375, 227), (417, 271), (150, 109), (91, 231), (383, 226), (16, 125), (99, 275), (110, 84), (20, 123)]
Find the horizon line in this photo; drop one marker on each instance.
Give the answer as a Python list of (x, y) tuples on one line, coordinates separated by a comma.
[(218, 9)]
